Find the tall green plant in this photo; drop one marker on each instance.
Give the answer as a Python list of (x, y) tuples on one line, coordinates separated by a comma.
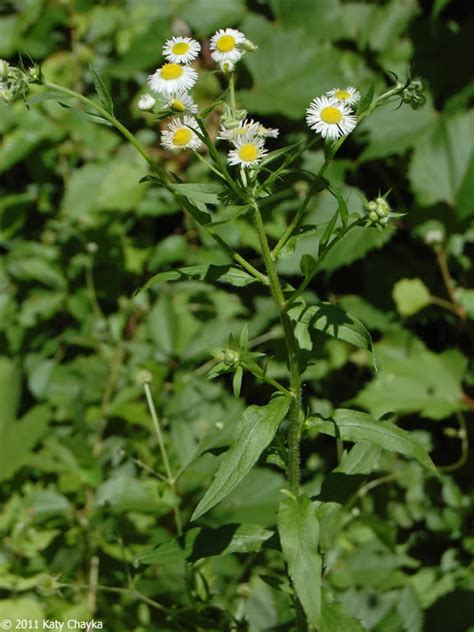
[(247, 180)]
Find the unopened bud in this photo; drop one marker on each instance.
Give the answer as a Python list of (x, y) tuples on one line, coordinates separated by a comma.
[(434, 236), (144, 377), (231, 357), (92, 247), (383, 209), (146, 103), (249, 46), (33, 73), (372, 206), (227, 66)]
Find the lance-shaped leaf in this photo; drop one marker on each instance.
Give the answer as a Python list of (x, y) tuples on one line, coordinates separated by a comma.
[(333, 321), (299, 535), (202, 542), (231, 275), (102, 91), (255, 432), (351, 425)]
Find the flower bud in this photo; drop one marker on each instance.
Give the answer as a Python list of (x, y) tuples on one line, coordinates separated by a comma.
[(371, 206), (144, 377), (373, 216), (383, 209), (249, 46), (227, 66), (413, 93), (33, 73), (434, 236), (231, 357), (146, 103)]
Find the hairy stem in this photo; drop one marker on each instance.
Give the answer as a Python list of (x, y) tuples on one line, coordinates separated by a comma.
[(292, 349)]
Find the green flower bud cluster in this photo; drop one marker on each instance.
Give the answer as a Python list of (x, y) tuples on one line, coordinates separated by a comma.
[(413, 93), (14, 81), (378, 211)]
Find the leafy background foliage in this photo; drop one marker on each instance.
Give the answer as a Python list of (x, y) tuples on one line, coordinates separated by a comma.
[(79, 234)]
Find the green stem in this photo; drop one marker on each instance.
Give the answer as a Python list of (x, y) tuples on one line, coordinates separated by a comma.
[(292, 349), (164, 454), (109, 117), (232, 91)]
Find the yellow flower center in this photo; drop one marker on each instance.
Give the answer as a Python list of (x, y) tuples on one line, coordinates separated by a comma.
[(180, 48), (331, 115), (182, 136), (225, 43), (178, 106), (343, 95), (248, 152), (171, 71)]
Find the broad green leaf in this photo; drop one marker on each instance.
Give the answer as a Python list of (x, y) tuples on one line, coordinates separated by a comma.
[(102, 90), (393, 131), (210, 273), (27, 608), (207, 192), (335, 618), (420, 381), (205, 16), (355, 245), (253, 435), (351, 425), (18, 438), (333, 321), (317, 65), (299, 535), (442, 168), (202, 542), (410, 295)]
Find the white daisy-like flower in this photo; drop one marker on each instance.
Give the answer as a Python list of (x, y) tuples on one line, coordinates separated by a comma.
[(225, 45), (181, 50), (249, 128), (348, 95), (330, 118), (146, 103), (248, 151), (180, 134), (172, 78), (182, 102)]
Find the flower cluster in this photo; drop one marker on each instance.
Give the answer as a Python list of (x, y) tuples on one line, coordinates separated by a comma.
[(379, 212), (331, 115), (176, 77), (14, 81), (247, 138), (173, 81)]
